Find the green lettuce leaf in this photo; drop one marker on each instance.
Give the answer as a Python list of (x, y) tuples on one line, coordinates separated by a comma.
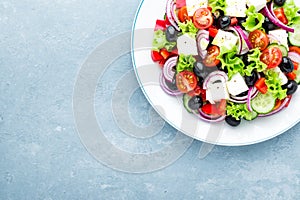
[(254, 19), (239, 111), (160, 41), (189, 28), (255, 63), (231, 62), (274, 84), (217, 5), (185, 62), (290, 11)]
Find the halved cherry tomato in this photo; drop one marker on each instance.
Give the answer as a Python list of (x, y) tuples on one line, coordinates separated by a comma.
[(203, 18), (261, 85), (279, 13), (291, 76), (259, 39), (271, 56), (222, 107), (296, 65), (156, 57), (197, 91), (186, 81), (215, 109), (183, 14), (211, 59), (213, 31), (294, 49)]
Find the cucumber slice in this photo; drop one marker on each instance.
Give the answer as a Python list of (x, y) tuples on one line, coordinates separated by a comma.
[(283, 49), (294, 38), (185, 100), (263, 103), (297, 72)]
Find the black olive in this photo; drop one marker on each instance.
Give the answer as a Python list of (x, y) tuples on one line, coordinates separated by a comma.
[(200, 81), (242, 94), (286, 65), (223, 22), (291, 87), (195, 103), (198, 69), (232, 121), (241, 20), (172, 85), (171, 34), (279, 2), (218, 13), (251, 80), (245, 59), (268, 25)]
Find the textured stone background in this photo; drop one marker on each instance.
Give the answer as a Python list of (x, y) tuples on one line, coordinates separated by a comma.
[(42, 46)]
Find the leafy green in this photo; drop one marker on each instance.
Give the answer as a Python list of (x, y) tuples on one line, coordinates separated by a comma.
[(230, 61), (239, 111), (217, 5), (189, 28), (185, 63), (290, 11), (274, 84), (254, 19), (160, 41), (255, 63)]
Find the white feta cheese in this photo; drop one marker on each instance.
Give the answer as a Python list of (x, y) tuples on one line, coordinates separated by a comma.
[(282, 77), (216, 92), (236, 8), (193, 5), (237, 85), (226, 39), (279, 36), (187, 45), (258, 4)]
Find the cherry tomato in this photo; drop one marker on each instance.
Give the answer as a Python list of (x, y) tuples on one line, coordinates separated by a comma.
[(261, 85), (259, 39), (183, 14), (279, 13), (196, 92), (294, 49), (215, 109), (186, 81), (271, 56), (296, 65), (213, 31), (211, 59), (203, 18)]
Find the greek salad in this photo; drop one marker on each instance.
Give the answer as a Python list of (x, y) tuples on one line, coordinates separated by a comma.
[(230, 60)]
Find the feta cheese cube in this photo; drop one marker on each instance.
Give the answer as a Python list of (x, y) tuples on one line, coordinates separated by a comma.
[(281, 75), (193, 5), (187, 45), (279, 36), (216, 92), (236, 8), (236, 85), (226, 39), (258, 4)]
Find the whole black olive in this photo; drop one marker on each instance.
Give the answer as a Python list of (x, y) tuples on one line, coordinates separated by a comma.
[(232, 121), (268, 25), (251, 80), (195, 103), (223, 22), (198, 69), (200, 81), (291, 87), (286, 65), (279, 2), (171, 34)]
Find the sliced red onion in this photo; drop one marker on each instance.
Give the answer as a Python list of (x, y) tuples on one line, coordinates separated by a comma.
[(249, 97), (168, 71), (165, 87), (202, 35), (173, 14), (294, 56), (282, 106), (169, 7), (214, 76), (207, 118), (243, 35), (268, 12)]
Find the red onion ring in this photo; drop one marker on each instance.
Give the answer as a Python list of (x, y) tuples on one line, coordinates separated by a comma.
[(207, 118), (165, 87), (169, 7), (220, 74), (294, 56), (249, 97), (168, 72), (202, 35), (244, 36)]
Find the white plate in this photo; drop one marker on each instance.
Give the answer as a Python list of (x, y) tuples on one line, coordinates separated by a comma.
[(171, 108)]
